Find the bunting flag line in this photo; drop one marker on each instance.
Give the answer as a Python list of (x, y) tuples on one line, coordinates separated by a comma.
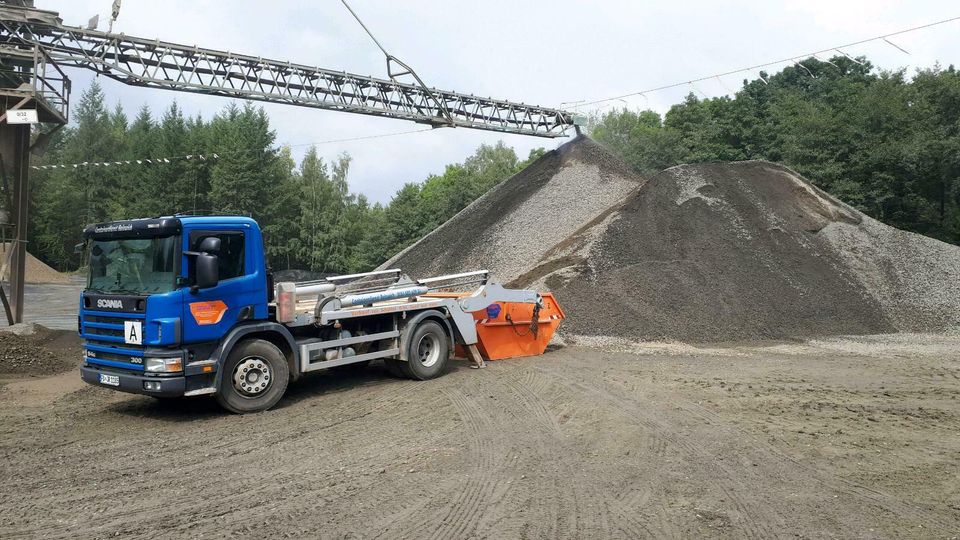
[(206, 157), (148, 161)]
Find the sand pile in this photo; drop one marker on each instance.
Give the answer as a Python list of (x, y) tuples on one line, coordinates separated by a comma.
[(35, 270), (511, 228), (750, 250)]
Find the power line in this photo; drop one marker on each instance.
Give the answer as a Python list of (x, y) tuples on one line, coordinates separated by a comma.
[(214, 156), (793, 60)]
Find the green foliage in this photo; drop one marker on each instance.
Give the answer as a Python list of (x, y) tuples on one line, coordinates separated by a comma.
[(309, 217), (881, 141)]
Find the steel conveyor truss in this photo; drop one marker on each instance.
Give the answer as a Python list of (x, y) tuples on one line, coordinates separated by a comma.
[(158, 64)]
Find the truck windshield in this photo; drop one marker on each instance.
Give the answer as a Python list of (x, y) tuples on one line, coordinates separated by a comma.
[(133, 265)]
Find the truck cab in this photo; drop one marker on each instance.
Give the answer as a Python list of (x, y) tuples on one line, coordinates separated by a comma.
[(161, 296)]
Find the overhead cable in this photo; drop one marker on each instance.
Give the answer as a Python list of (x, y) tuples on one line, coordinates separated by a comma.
[(791, 60)]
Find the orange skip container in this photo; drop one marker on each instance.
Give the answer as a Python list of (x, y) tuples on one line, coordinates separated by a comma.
[(509, 334)]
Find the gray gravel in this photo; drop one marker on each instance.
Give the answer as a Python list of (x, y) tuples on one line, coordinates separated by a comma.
[(699, 253), (40, 352), (916, 279), (512, 227), (718, 252)]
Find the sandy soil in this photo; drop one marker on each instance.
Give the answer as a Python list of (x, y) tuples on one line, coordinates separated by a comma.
[(844, 438)]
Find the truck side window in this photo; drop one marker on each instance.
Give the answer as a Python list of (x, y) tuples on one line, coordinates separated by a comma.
[(231, 253)]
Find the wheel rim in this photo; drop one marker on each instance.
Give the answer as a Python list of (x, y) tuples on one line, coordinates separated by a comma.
[(428, 350), (252, 376)]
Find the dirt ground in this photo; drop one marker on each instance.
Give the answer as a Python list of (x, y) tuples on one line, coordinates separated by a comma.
[(844, 438)]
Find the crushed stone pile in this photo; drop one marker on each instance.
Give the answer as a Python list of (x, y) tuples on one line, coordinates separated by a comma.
[(510, 228), (713, 252), (35, 270), (31, 349), (750, 250)]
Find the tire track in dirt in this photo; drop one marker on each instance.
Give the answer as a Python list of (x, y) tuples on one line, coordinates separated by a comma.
[(527, 386), (465, 501), (561, 511), (757, 522), (343, 418), (845, 487), (772, 460), (464, 513), (273, 434)]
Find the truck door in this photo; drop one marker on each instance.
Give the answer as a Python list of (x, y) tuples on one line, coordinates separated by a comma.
[(210, 313)]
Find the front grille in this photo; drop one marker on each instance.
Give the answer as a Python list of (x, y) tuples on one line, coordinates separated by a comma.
[(112, 332), (114, 357), (92, 340), (107, 344), (101, 319)]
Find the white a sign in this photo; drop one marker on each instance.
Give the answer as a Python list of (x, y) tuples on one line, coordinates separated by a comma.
[(132, 332)]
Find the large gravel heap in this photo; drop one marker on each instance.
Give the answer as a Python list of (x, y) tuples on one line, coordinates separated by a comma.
[(699, 253), (511, 227), (750, 250)]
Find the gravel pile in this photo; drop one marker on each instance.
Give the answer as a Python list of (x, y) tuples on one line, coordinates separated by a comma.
[(35, 270), (916, 279), (751, 250), (35, 350), (699, 253), (510, 229)]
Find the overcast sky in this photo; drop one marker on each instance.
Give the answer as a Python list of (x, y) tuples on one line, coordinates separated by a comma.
[(544, 52)]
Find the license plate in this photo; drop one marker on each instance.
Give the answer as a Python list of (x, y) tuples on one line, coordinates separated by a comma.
[(112, 380)]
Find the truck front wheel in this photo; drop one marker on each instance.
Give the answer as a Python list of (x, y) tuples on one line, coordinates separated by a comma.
[(254, 377)]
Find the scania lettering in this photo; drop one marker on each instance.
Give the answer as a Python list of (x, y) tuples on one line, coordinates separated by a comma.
[(186, 306)]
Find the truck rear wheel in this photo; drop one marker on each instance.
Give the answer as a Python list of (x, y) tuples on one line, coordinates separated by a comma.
[(254, 377), (427, 351)]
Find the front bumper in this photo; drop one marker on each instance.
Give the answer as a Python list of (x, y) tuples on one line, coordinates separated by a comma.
[(174, 386)]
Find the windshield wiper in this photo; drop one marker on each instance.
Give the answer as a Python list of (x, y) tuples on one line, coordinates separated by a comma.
[(128, 291), (117, 291)]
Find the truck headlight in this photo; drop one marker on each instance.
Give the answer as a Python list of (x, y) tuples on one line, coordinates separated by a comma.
[(163, 365)]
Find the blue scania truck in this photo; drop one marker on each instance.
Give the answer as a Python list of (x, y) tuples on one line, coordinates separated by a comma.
[(186, 306)]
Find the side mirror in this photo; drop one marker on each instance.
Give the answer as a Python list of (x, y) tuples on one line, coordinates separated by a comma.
[(208, 269), (210, 244)]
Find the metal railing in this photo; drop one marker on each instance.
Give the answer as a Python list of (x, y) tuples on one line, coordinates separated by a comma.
[(30, 73)]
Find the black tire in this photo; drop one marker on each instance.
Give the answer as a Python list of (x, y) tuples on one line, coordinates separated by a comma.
[(427, 351), (254, 377)]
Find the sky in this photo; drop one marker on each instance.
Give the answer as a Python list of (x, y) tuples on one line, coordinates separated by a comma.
[(546, 52)]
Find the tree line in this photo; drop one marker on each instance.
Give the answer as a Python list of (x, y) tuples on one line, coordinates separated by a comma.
[(311, 219), (881, 141)]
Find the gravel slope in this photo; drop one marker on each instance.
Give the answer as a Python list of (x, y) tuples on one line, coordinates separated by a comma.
[(699, 253), (36, 271), (510, 228), (751, 250)]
